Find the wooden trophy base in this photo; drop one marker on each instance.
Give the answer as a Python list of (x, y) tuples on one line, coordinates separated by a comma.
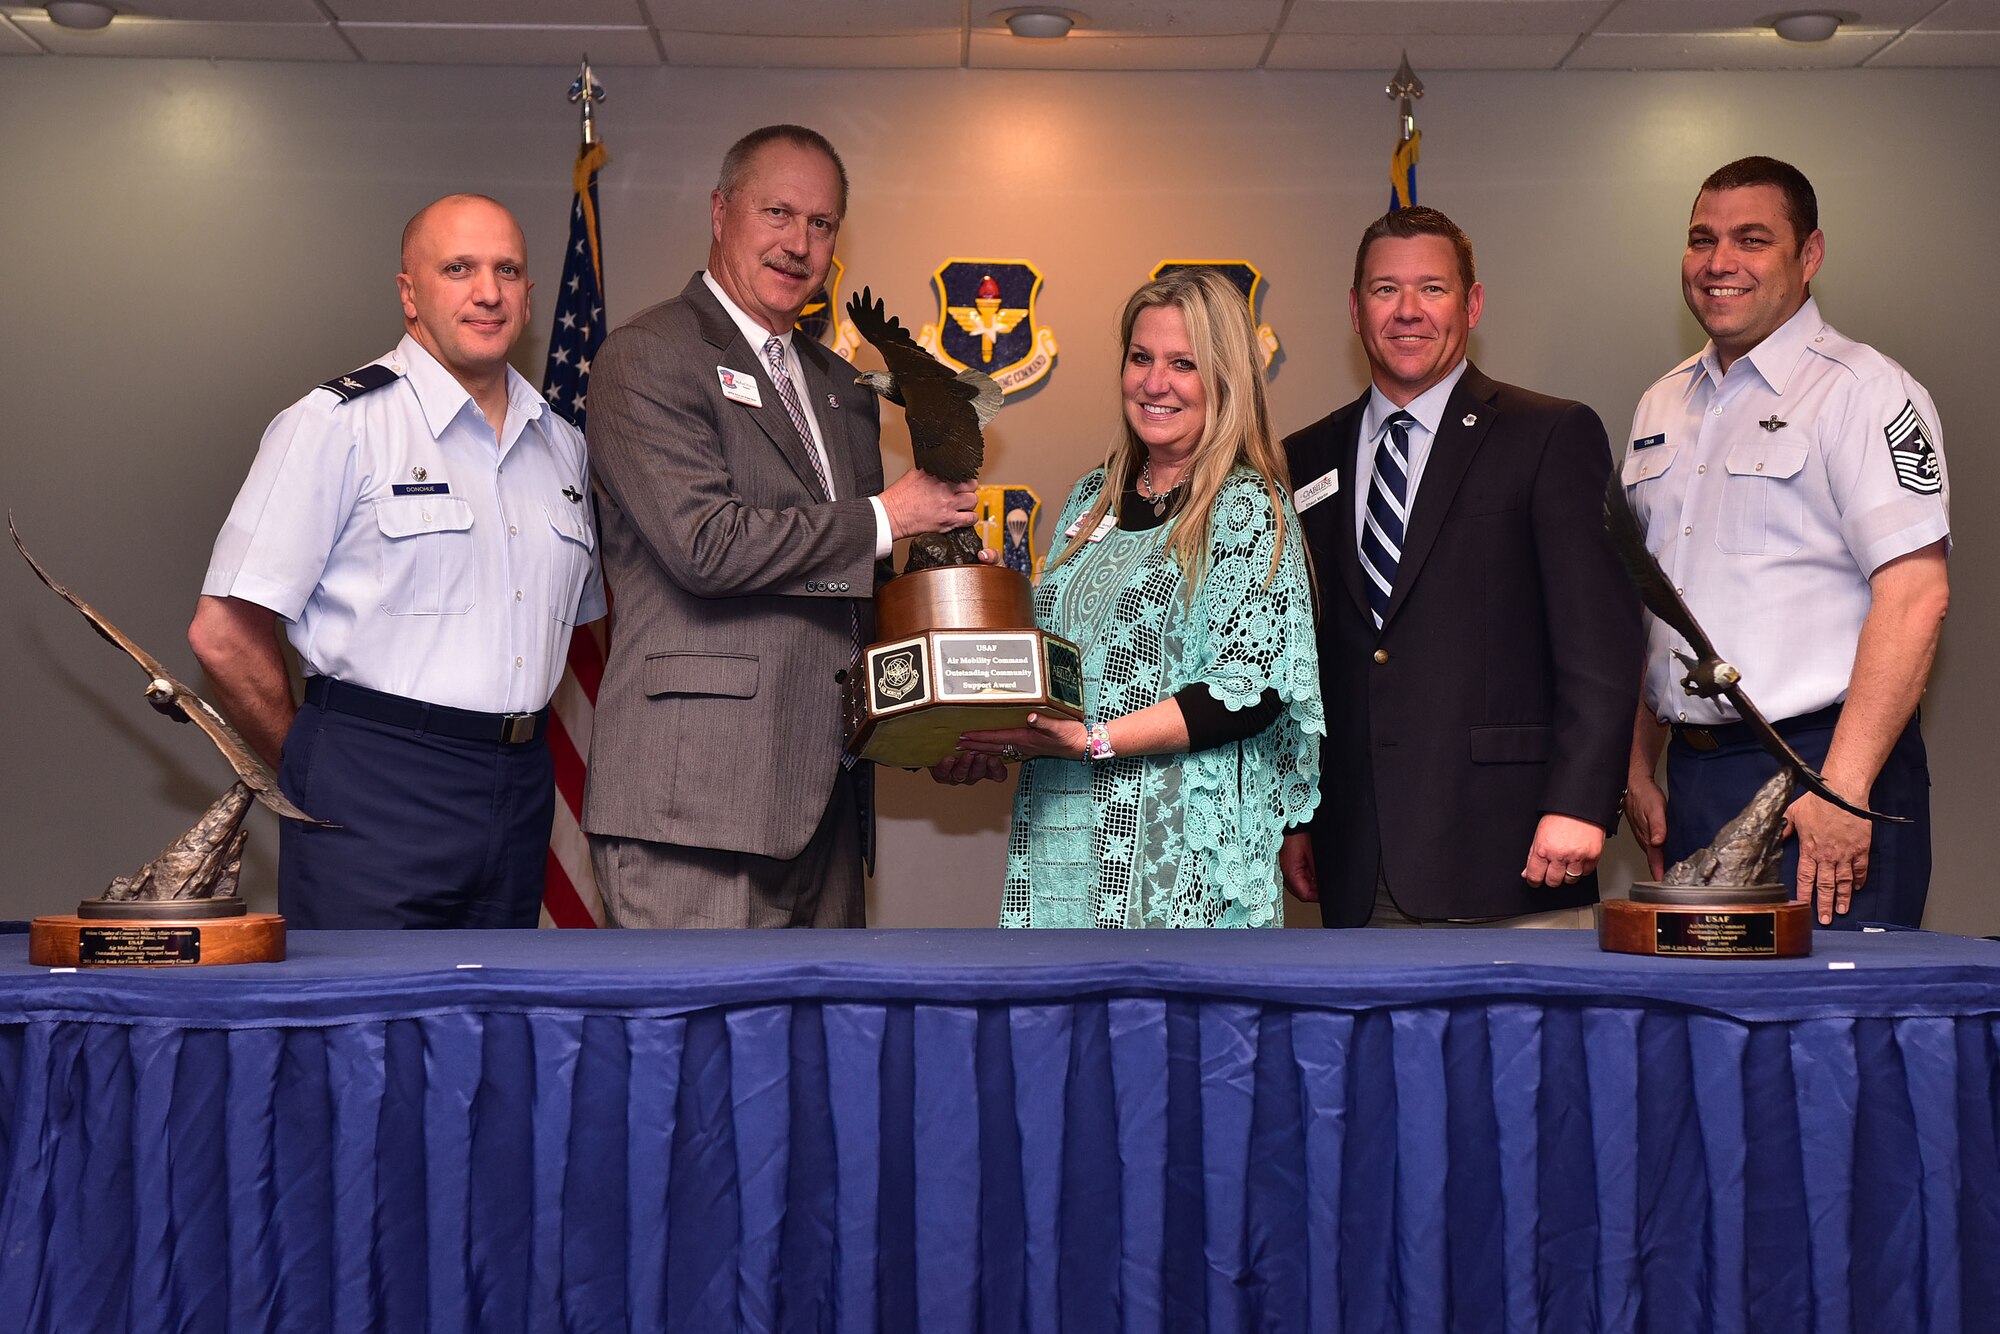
[(156, 934), (1714, 922), (959, 653)]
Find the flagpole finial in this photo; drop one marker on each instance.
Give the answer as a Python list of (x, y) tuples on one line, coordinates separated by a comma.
[(588, 92), (1404, 87)]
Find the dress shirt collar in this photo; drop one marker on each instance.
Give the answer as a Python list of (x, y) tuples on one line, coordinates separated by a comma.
[(1777, 356), (753, 333), (1427, 407), (442, 397)]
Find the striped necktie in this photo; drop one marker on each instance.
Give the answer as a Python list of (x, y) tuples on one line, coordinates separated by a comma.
[(774, 355), (1388, 506)]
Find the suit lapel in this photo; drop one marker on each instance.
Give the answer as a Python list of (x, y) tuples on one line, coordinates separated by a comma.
[(1353, 472), (1451, 455), (771, 418)]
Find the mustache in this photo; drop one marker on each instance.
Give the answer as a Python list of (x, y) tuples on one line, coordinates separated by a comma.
[(791, 268)]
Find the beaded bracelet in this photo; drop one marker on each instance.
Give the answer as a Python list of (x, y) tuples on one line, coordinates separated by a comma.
[(1097, 743)]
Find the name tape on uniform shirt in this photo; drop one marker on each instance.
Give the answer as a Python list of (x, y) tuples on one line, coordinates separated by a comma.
[(1315, 491), (739, 387)]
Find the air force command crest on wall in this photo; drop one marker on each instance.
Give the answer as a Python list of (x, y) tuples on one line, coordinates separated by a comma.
[(986, 321), (1249, 280), (821, 316)]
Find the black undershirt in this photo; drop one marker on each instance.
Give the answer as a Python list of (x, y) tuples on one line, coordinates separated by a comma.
[(1210, 722)]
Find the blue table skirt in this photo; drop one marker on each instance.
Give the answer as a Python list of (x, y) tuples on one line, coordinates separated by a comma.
[(971, 1130)]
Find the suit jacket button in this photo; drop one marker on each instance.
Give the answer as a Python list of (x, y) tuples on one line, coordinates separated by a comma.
[(843, 585), (840, 678), (1381, 655)]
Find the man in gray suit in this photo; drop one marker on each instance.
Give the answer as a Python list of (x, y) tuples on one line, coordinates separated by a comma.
[(742, 515)]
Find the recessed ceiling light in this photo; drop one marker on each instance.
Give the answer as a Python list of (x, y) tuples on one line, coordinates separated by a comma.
[(84, 14), (1812, 27), (1038, 24)]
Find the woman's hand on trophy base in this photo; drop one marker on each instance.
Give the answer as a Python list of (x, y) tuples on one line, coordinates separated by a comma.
[(1061, 737)]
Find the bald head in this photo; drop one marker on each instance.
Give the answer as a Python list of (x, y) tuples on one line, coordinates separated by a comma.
[(464, 286), (414, 228)]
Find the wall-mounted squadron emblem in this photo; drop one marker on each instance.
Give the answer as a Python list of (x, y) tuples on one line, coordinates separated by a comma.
[(986, 321), (1249, 280)]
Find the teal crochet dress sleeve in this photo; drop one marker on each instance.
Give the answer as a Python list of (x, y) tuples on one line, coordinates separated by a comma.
[(1184, 839)]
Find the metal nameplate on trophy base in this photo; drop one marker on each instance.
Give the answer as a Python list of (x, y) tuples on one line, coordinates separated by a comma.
[(163, 933), (1707, 922), (957, 658)]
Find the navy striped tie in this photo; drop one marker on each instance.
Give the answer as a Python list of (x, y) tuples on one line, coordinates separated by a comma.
[(1388, 506)]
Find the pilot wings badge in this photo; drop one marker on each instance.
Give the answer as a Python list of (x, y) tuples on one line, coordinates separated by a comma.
[(1249, 280), (986, 321), (821, 317)]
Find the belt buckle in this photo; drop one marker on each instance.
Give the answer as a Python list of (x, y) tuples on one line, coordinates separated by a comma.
[(1700, 738), (516, 728)]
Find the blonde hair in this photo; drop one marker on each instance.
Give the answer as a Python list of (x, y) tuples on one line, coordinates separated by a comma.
[(1236, 427)]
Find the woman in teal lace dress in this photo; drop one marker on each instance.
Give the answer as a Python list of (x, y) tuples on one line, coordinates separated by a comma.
[(1181, 575)]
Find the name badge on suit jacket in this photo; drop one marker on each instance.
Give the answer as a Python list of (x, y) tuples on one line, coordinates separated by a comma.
[(1315, 491), (740, 387)]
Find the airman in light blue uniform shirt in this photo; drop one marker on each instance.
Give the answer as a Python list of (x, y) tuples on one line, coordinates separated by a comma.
[(1791, 481), (422, 528)]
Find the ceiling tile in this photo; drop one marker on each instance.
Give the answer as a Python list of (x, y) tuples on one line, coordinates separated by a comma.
[(174, 38), (467, 44), (1940, 49), (930, 50), (536, 13), (790, 18), (1709, 16), (224, 11), (1000, 50), (1724, 50), (1381, 54), (1165, 18), (1963, 16), (1405, 18)]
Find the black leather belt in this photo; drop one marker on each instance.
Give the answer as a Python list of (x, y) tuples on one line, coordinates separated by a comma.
[(1737, 734), (507, 729)]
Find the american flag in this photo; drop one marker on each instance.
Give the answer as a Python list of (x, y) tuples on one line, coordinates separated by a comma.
[(569, 896)]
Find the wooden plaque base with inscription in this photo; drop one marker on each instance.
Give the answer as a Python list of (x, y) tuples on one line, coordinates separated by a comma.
[(959, 652), (1708, 922), (161, 933)]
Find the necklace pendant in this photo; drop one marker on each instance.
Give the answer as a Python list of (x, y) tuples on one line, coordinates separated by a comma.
[(1159, 506)]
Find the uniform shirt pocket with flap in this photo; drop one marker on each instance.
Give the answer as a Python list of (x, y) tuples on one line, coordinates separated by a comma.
[(569, 560), (426, 555), (1763, 500)]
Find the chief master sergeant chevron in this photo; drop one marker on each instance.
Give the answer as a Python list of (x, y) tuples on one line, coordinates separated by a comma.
[(1792, 484), (422, 526)]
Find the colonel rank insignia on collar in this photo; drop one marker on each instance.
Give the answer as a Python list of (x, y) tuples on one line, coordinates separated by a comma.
[(986, 321), (358, 382)]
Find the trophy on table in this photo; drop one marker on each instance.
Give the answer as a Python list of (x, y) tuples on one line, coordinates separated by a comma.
[(958, 648), (181, 907), (1726, 900)]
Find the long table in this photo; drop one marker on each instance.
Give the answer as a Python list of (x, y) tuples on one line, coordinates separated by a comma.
[(977, 1130)]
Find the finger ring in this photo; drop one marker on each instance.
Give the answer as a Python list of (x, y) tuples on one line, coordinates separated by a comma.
[(1572, 875), (1012, 752)]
